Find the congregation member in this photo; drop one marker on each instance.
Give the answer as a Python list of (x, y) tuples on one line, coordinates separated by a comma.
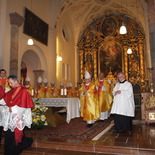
[(28, 86), (16, 117), (123, 107), (104, 96), (88, 101), (39, 90)]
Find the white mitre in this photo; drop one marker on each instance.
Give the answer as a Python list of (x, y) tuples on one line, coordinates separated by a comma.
[(67, 84), (39, 79), (70, 84), (52, 82), (87, 75), (27, 79), (45, 80), (61, 83)]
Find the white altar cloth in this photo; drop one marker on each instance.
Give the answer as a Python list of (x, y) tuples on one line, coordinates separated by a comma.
[(72, 105)]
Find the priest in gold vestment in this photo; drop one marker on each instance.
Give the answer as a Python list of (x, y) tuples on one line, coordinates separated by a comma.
[(47, 89), (70, 90), (54, 92), (28, 86), (39, 90), (104, 96), (88, 101)]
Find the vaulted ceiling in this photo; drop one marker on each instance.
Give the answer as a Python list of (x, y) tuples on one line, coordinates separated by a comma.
[(83, 12)]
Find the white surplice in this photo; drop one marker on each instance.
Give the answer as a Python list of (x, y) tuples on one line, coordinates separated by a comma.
[(123, 103), (18, 118)]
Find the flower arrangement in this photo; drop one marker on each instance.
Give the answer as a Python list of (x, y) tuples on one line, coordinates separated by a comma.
[(38, 117)]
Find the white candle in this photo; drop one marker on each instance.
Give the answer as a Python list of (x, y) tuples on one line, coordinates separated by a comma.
[(65, 91), (32, 92), (61, 92)]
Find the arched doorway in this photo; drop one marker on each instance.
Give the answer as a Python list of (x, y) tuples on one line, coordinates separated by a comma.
[(30, 62)]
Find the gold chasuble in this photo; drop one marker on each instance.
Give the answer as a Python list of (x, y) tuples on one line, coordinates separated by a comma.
[(70, 93), (89, 103), (39, 92), (30, 89), (104, 96)]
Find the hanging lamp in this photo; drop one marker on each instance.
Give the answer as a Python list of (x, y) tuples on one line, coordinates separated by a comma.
[(30, 40)]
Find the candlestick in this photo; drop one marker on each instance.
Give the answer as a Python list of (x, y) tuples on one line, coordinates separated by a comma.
[(61, 92), (32, 92), (65, 91)]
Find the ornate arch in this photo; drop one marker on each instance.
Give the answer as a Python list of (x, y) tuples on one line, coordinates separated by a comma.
[(102, 36)]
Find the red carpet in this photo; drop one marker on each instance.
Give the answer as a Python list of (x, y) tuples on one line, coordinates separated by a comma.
[(76, 129)]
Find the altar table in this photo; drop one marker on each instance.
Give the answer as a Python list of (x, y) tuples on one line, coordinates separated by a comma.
[(72, 105)]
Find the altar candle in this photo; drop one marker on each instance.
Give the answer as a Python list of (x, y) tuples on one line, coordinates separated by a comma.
[(32, 92), (61, 92), (65, 91)]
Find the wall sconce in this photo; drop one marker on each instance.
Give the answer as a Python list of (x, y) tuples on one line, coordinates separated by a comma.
[(59, 58), (129, 51)]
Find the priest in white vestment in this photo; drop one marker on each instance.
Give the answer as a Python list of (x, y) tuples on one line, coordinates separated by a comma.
[(123, 106)]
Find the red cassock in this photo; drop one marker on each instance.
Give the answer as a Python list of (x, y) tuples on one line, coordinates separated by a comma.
[(19, 96), (2, 93)]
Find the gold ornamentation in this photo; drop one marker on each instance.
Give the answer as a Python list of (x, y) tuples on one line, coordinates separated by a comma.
[(150, 103)]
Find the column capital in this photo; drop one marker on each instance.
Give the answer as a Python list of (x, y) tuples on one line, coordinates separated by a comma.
[(16, 19)]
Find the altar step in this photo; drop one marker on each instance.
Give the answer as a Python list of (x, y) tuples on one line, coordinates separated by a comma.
[(76, 147)]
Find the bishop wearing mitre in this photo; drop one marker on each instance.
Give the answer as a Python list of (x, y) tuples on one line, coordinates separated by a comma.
[(88, 101), (104, 97)]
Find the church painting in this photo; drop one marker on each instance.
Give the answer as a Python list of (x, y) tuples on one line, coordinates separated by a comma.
[(110, 55)]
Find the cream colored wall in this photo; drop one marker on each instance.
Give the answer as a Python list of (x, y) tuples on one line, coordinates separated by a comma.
[(65, 48), (41, 9)]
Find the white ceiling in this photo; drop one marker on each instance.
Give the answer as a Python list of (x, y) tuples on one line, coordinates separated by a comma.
[(83, 12)]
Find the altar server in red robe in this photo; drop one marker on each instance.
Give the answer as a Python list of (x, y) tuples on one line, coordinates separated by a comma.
[(16, 117)]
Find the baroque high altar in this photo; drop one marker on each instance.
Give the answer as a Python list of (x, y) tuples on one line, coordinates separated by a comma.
[(103, 49)]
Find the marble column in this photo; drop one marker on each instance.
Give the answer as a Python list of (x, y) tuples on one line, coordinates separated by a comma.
[(37, 73), (16, 21)]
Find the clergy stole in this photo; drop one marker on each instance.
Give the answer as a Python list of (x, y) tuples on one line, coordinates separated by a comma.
[(100, 88)]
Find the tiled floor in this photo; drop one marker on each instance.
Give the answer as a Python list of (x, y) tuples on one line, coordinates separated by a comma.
[(140, 142)]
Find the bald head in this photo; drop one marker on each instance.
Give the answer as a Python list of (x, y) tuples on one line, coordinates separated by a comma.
[(121, 76)]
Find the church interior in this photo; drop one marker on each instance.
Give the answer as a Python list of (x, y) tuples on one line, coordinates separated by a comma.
[(72, 36)]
